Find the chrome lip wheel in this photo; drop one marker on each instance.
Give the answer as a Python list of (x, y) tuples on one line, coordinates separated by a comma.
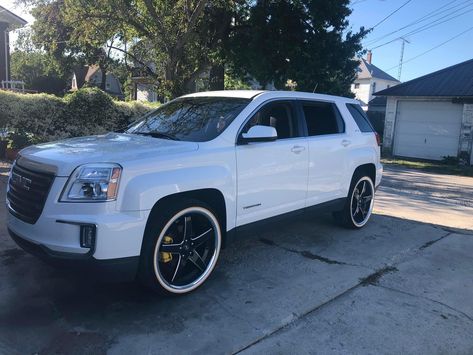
[(187, 250), (362, 200)]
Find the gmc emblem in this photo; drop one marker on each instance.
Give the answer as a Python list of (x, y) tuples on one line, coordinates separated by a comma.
[(21, 181)]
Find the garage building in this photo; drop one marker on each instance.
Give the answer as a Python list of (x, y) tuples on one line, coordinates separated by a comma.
[(431, 117)]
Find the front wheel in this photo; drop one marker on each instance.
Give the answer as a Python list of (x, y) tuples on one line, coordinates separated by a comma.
[(181, 248), (359, 205)]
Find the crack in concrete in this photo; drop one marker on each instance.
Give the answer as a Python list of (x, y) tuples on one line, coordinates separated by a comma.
[(455, 231), (295, 319), (304, 253), (428, 244), (427, 299), (377, 275), (374, 278)]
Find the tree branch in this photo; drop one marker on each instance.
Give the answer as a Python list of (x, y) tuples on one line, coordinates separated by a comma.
[(148, 69)]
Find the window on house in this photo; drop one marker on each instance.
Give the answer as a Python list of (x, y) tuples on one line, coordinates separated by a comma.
[(357, 85), (322, 118), (374, 88)]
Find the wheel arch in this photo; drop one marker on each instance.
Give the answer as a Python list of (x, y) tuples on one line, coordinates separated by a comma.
[(210, 196), (368, 169)]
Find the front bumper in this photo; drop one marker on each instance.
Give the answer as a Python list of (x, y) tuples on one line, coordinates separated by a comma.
[(56, 236), (121, 269)]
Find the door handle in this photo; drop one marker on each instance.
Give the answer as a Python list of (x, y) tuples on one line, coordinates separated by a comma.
[(297, 149), (346, 142)]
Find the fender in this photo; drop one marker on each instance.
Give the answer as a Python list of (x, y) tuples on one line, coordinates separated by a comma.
[(143, 191), (356, 157)]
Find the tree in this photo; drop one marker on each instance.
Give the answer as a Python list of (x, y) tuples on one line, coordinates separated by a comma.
[(174, 41), (54, 33), (39, 72), (304, 41), (299, 44)]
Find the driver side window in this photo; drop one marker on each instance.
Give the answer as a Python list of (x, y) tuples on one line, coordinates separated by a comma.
[(279, 115)]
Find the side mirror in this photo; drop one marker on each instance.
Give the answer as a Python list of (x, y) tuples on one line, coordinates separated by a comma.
[(259, 134)]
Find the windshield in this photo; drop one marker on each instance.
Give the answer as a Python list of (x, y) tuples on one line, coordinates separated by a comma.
[(195, 119)]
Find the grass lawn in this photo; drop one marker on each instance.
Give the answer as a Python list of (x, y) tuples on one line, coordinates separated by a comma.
[(434, 167)]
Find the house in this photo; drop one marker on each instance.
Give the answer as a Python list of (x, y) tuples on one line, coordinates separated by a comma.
[(8, 22), (92, 76), (431, 117), (143, 86), (370, 79)]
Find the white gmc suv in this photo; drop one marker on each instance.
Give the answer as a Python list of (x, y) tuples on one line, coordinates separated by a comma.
[(158, 200)]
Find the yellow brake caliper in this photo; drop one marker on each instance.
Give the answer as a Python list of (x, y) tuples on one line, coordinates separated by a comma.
[(166, 257)]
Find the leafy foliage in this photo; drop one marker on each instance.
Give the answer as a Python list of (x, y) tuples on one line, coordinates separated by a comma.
[(43, 117), (39, 72), (291, 44), (305, 41)]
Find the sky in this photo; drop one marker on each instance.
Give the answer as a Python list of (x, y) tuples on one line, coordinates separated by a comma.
[(368, 13), (456, 15)]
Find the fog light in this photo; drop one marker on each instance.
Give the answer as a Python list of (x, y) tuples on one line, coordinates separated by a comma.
[(87, 236)]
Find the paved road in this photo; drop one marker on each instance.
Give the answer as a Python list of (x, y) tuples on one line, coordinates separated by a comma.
[(398, 286), (433, 198)]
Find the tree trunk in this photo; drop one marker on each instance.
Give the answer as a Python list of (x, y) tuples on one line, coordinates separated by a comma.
[(103, 83), (217, 77)]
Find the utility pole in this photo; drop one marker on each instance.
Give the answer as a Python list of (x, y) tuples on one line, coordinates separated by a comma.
[(403, 40)]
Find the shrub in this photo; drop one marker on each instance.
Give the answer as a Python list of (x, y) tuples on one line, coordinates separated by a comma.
[(46, 117)]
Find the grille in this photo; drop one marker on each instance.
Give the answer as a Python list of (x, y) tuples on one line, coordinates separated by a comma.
[(27, 193)]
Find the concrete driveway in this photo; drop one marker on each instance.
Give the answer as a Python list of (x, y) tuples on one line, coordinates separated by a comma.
[(400, 285)]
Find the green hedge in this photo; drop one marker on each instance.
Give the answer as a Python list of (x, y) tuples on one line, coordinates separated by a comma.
[(47, 118)]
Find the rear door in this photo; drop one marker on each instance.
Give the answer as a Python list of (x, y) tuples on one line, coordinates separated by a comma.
[(272, 176), (328, 144)]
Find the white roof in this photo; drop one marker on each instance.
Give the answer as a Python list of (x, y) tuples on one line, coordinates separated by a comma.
[(244, 94), (10, 18), (249, 94)]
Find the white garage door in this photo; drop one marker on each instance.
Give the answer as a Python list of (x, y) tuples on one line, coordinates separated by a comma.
[(427, 129)]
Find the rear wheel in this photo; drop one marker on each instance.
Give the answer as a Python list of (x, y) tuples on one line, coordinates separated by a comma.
[(181, 248), (359, 205)]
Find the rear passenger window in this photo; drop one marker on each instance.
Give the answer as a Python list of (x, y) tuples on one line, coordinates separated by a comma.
[(360, 118), (322, 118)]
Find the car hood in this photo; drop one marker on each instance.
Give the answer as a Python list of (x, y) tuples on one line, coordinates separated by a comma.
[(62, 157)]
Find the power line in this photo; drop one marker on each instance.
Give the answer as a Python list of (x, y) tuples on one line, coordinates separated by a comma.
[(427, 16), (357, 2), (448, 16), (392, 13), (425, 27), (433, 48)]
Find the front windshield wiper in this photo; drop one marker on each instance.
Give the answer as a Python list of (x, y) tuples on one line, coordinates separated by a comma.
[(157, 135)]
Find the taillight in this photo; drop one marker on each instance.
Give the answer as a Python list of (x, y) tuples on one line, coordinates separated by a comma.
[(378, 138)]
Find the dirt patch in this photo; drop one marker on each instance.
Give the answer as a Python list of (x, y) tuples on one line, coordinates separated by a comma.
[(374, 278), (75, 343), (9, 256)]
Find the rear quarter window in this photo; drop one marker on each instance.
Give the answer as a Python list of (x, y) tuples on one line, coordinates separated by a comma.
[(360, 118)]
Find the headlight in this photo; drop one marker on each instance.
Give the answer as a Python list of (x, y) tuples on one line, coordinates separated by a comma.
[(93, 182)]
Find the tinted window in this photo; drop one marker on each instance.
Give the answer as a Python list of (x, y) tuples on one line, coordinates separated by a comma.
[(322, 118), (196, 119), (360, 118), (279, 115)]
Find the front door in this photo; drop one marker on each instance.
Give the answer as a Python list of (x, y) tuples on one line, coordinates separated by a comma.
[(272, 176)]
